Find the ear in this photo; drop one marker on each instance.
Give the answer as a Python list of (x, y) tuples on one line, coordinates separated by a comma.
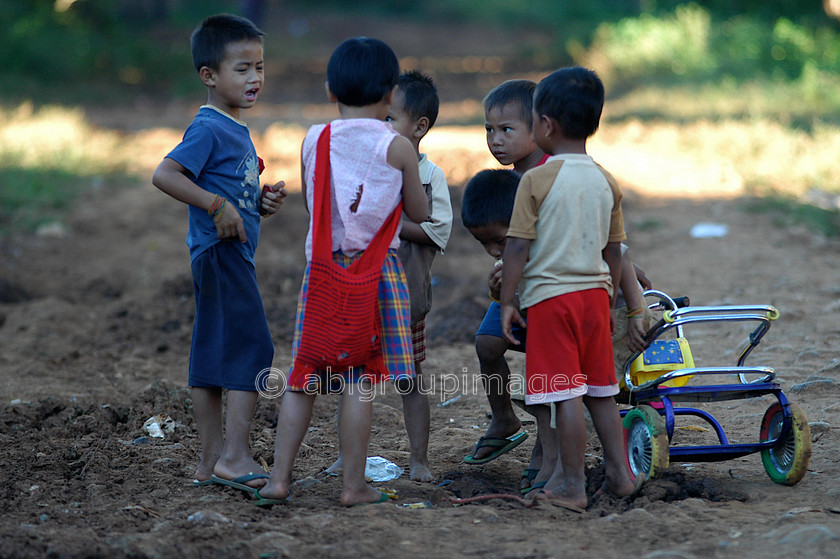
[(207, 75), (330, 95), (552, 127), (421, 127)]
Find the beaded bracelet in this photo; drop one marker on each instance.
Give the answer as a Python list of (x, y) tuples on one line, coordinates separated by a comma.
[(635, 312), (490, 293)]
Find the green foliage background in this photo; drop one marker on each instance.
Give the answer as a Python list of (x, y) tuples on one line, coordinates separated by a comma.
[(139, 45), (748, 65)]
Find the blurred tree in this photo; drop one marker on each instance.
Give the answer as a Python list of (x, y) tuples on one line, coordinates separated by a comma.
[(768, 10), (48, 44)]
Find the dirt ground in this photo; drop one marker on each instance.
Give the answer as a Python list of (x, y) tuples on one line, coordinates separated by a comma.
[(95, 328)]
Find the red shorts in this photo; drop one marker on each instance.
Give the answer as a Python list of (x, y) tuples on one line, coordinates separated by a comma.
[(569, 352)]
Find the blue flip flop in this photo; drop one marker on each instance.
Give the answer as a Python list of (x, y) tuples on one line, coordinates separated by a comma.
[(240, 482), (266, 502), (499, 445), (206, 482), (533, 487), (530, 474), (383, 498)]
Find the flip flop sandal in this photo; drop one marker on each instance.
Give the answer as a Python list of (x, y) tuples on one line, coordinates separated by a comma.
[(534, 487), (266, 502), (383, 498), (239, 482), (500, 445)]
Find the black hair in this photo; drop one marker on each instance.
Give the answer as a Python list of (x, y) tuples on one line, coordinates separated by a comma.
[(362, 71), (488, 198), (520, 92), (574, 97), (213, 35), (420, 97)]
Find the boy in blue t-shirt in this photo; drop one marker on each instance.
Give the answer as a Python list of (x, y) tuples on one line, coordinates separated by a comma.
[(215, 170)]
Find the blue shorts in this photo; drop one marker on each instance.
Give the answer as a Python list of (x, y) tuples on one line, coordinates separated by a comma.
[(231, 342), (491, 325)]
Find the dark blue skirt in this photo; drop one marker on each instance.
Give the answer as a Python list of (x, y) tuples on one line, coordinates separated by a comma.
[(231, 342)]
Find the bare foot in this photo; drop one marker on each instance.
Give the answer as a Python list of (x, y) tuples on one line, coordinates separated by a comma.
[(573, 505), (336, 467), (419, 471), (561, 492), (367, 494), (626, 488)]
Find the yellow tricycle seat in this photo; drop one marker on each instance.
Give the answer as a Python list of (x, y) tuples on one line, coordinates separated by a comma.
[(662, 356)]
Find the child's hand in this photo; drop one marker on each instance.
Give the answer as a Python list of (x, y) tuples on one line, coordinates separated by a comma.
[(272, 198), (635, 333), (510, 314), (644, 281), (229, 223), (494, 280)]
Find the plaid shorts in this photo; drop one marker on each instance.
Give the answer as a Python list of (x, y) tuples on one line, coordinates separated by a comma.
[(394, 312), (418, 340)]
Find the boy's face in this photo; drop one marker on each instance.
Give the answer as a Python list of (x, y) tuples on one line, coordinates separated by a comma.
[(492, 237), (508, 136), (400, 120), (239, 78)]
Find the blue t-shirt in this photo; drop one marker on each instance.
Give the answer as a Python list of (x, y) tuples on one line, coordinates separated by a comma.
[(218, 152)]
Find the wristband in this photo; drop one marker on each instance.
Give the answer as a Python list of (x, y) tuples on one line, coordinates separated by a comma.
[(217, 214), (214, 205)]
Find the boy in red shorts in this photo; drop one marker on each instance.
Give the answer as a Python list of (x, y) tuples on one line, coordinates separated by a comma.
[(564, 244)]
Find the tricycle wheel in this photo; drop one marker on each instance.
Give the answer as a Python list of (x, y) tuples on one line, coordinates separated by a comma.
[(787, 462), (646, 441)]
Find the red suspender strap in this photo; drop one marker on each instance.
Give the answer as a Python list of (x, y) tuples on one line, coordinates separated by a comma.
[(321, 204)]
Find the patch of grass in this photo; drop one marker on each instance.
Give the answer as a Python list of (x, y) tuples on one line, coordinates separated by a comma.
[(789, 211), (31, 197), (728, 99), (47, 158)]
